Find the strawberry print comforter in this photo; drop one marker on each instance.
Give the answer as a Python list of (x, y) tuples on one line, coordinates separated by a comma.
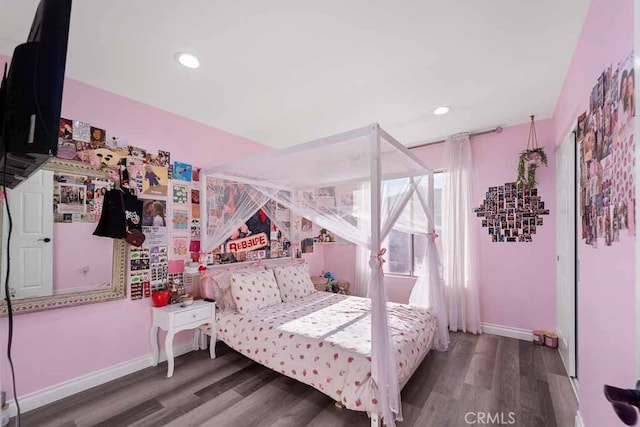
[(324, 340)]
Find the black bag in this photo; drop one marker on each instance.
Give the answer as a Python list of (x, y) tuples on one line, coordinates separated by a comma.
[(121, 216)]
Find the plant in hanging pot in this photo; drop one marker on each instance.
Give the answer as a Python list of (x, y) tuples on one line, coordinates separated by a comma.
[(528, 163), (530, 159)]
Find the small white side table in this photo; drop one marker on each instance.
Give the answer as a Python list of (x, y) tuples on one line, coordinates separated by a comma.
[(175, 318)]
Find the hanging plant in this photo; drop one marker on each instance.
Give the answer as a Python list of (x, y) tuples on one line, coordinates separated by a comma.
[(530, 159)]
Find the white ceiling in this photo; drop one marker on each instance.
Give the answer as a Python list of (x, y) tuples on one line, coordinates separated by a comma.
[(283, 72)]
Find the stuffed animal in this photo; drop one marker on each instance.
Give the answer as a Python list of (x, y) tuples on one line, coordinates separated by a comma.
[(329, 276), (331, 282)]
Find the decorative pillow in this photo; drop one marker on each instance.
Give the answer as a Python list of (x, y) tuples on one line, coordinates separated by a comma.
[(216, 284), (254, 290), (294, 281)]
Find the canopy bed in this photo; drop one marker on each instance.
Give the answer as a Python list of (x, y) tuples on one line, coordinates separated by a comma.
[(371, 163)]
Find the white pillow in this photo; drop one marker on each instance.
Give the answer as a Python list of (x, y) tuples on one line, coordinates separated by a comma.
[(254, 290), (294, 281)]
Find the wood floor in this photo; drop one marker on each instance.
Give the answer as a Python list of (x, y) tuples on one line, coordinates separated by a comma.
[(485, 374)]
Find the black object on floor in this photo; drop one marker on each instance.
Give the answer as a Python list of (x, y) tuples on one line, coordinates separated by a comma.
[(623, 402)]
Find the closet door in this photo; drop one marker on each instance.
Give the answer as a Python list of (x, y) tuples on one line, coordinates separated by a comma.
[(566, 252)]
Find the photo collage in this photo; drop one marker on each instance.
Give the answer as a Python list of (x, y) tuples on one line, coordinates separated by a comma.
[(512, 213), (78, 198), (605, 137), (169, 192), (259, 237)]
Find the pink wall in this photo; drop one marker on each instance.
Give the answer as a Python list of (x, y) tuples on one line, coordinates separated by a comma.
[(517, 280), (68, 261), (97, 336), (606, 292)]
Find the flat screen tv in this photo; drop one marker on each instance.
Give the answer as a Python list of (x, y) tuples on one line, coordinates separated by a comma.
[(31, 94)]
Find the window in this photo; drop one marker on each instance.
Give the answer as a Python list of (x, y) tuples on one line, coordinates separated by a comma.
[(406, 250)]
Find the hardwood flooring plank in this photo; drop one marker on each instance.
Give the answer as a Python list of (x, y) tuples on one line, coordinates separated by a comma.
[(536, 410), (302, 412), (552, 361), (563, 399), (260, 408), (476, 400), (262, 378), (205, 412), (455, 370), (410, 414), (283, 405), (438, 411), (547, 406), (230, 381), (539, 368), (417, 390), (178, 408), (525, 357), (506, 378), (236, 364), (334, 417), (481, 368), (132, 414)]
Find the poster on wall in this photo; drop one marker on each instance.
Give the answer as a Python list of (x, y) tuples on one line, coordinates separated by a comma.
[(605, 136), (180, 194), (182, 171), (180, 221), (154, 213), (139, 272), (155, 180)]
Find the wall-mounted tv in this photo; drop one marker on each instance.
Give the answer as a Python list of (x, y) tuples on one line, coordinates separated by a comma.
[(31, 94)]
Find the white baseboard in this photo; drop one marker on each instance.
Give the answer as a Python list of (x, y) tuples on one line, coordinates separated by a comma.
[(507, 331), (579, 420), (64, 389)]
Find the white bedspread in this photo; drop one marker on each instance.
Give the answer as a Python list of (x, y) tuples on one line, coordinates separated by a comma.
[(324, 340)]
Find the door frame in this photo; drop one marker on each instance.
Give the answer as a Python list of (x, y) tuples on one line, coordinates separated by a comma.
[(636, 122), (570, 138)]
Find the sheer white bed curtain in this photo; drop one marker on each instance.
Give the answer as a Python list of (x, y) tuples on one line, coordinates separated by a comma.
[(460, 255)]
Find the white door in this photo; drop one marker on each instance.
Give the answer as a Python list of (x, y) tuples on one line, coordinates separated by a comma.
[(31, 262), (566, 251)]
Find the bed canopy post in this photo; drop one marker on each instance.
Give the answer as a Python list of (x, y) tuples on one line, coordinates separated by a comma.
[(376, 282), (204, 219), (430, 215)]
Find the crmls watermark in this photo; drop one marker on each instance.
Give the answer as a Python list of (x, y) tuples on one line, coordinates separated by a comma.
[(490, 418)]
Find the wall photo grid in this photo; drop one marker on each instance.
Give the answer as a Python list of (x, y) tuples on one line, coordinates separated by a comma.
[(170, 220), (605, 137), (512, 213)]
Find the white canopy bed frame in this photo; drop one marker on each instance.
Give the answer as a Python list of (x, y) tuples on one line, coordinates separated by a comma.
[(368, 157)]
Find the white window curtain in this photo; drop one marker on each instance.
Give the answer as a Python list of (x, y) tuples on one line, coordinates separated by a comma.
[(428, 290), (395, 195), (460, 256), (362, 209)]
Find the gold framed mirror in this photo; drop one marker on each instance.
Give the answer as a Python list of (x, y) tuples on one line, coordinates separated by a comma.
[(84, 268)]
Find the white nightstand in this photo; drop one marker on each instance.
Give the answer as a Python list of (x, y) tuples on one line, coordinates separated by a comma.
[(175, 318)]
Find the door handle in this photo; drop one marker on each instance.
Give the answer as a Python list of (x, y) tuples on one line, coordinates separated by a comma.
[(46, 240)]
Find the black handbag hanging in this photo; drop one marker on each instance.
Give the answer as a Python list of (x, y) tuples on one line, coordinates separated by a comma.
[(121, 213)]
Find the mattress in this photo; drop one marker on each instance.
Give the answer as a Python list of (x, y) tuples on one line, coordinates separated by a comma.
[(324, 340)]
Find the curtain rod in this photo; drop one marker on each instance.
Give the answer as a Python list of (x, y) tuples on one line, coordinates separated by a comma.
[(497, 129)]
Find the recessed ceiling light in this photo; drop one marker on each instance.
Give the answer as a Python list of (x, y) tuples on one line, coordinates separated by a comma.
[(187, 60), (440, 111)]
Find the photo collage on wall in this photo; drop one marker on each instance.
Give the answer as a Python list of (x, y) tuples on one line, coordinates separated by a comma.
[(605, 137), (512, 213), (257, 238), (78, 198), (170, 221)]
